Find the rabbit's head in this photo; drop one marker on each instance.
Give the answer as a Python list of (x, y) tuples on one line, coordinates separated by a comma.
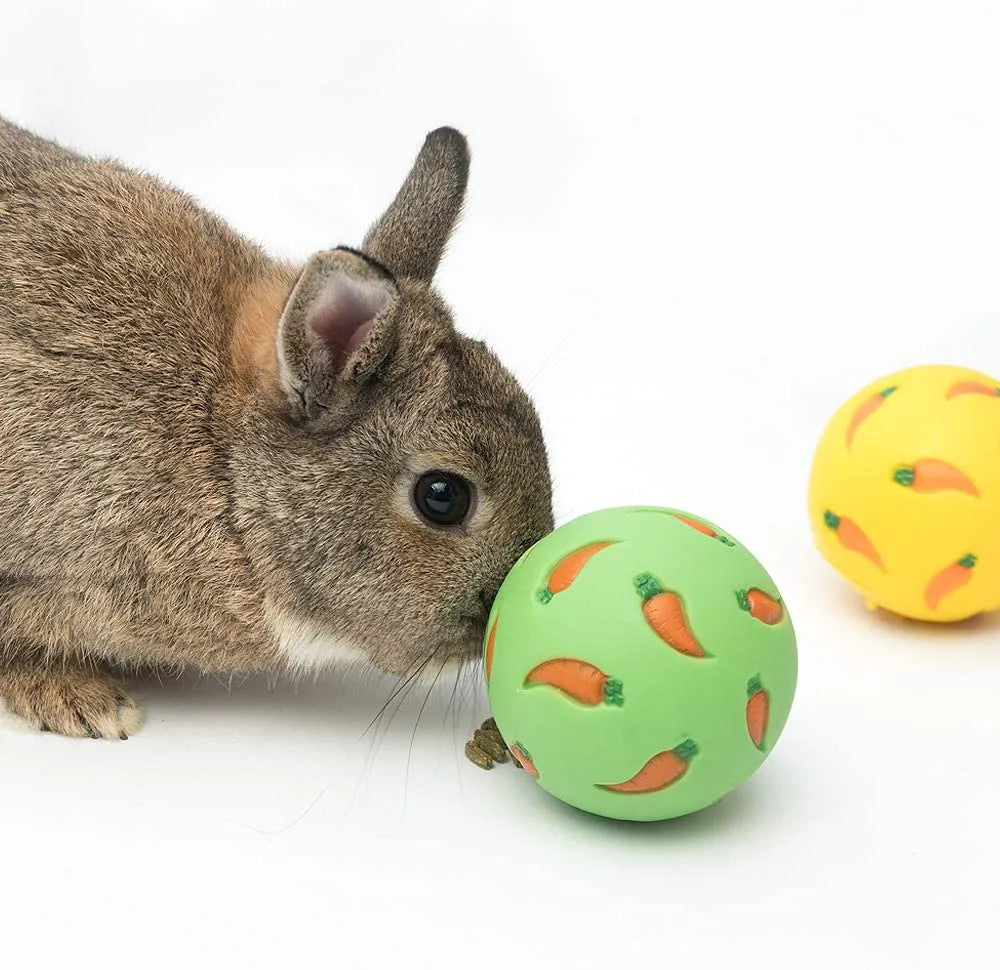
[(399, 470)]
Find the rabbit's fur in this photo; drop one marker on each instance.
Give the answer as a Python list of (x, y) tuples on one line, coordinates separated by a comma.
[(207, 456)]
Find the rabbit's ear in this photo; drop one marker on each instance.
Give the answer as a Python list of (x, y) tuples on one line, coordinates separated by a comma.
[(411, 235), (336, 328)]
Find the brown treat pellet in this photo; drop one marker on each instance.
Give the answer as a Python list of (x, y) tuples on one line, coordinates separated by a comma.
[(477, 756), (490, 727), (490, 742), (504, 754)]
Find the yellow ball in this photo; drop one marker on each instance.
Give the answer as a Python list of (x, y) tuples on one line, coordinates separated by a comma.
[(904, 498)]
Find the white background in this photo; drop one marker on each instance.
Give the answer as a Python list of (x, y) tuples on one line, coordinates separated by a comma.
[(692, 232)]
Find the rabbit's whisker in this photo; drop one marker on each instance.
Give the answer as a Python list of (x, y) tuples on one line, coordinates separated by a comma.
[(401, 687), (416, 725)]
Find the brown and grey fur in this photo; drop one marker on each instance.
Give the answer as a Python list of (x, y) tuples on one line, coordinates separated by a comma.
[(193, 476)]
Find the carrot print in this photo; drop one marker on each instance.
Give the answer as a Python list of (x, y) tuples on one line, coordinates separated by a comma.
[(852, 537), (522, 758), (704, 528), (761, 606), (972, 387), (948, 580), (562, 577), (664, 612), (580, 680), (757, 711), (865, 411), (931, 475), (661, 770), (488, 661)]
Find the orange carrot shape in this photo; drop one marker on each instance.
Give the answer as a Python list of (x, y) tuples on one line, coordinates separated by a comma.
[(491, 641), (761, 606), (852, 537), (758, 705), (522, 757), (704, 529), (562, 577), (972, 387), (948, 580), (580, 680), (931, 475), (659, 772), (664, 612), (866, 410)]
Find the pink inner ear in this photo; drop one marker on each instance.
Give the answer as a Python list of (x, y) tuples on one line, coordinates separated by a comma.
[(343, 318)]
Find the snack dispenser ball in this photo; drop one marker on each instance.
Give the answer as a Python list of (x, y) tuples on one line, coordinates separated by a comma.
[(640, 663), (905, 493)]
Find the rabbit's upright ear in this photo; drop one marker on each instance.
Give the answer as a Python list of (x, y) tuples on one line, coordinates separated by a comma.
[(411, 235), (336, 329)]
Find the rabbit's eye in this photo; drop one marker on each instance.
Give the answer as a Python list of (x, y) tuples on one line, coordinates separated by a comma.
[(442, 498)]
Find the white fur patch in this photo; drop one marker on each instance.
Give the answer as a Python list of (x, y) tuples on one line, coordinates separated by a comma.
[(308, 648), (12, 721)]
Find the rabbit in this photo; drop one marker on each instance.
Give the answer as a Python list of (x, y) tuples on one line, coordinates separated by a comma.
[(214, 460)]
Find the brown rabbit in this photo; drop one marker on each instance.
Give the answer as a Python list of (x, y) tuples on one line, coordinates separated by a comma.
[(209, 459)]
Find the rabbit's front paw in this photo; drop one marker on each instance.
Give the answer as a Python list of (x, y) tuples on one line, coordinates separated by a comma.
[(82, 702)]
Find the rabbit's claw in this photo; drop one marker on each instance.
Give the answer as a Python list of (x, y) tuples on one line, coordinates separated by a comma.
[(79, 701)]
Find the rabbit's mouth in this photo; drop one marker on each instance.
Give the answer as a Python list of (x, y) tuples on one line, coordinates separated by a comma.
[(474, 626), (455, 650), (472, 629)]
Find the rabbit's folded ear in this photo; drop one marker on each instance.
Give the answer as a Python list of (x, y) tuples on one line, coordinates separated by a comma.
[(336, 329), (411, 235)]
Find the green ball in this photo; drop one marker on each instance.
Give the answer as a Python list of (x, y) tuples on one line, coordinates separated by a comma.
[(640, 663)]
